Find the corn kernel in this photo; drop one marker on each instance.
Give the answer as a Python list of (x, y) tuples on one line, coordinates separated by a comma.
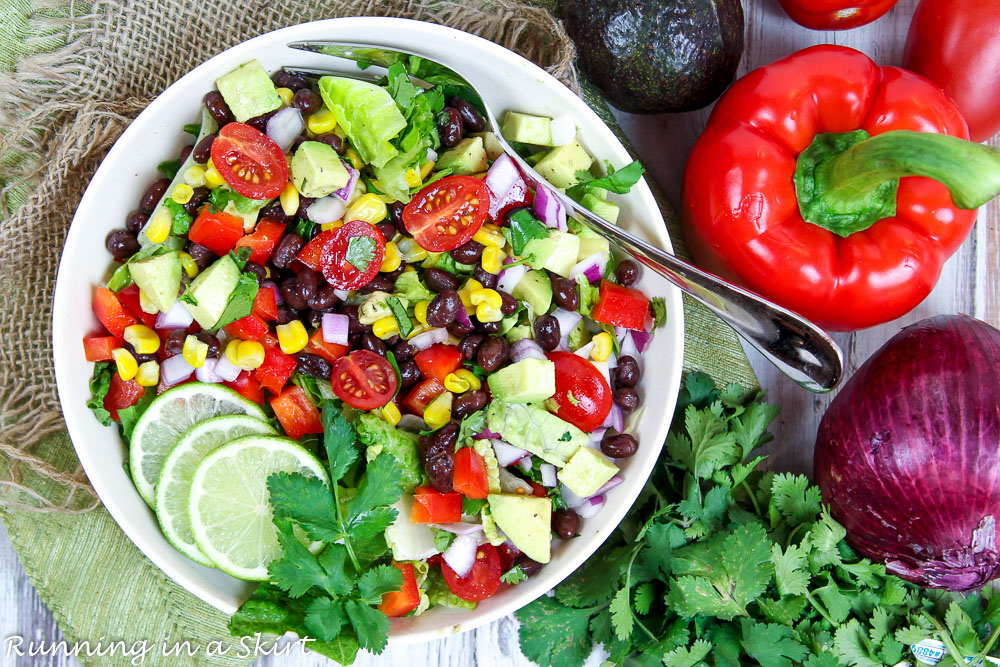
[(321, 122), (390, 413), (411, 250), (182, 193), (195, 176), (286, 96), (438, 412), (413, 178), (194, 351), (392, 258), (470, 377), (143, 339), (292, 337), (189, 265), (425, 170), (148, 374), (213, 178), (492, 259), (159, 225), (490, 236), (470, 286), (369, 208), (602, 347), (146, 305), (487, 313), (249, 355), (488, 296), (420, 311), (455, 384), (125, 363), (289, 199), (354, 158), (233, 350), (330, 226), (419, 329), (387, 327)]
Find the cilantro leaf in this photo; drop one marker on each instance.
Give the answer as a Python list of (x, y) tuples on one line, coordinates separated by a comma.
[(688, 657), (241, 256), (377, 581), (706, 447), (360, 252), (169, 168), (619, 182), (367, 512), (180, 219), (851, 645), (790, 569), (100, 383), (298, 571), (304, 228), (822, 660), (771, 645), (306, 501), (370, 625), (643, 598), (523, 227), (442, 539), (513, 576), (324, 619), (340, 440), (621, 613), (796, 499), (553, 635), (240, 300), (127, 417), (658, 307)]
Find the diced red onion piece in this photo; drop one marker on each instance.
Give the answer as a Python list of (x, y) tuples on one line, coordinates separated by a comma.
[(502, 176), (596, 436), (615, 418), (571, 499), (640, 339), (620, 333), (460, 528), (568, 319), (461, 555), (610, 484), (335, 328), (206, 372), (548, 473), (432, 155), (225, 369), (563, 130), (485, 434), (345, 193), (462, 318), (524, 464), (629, 348), (584, 351), (326, 210), (507, 453), (270, 284), (549, 209), (591, 267), (509, 278), (512, 484), (426, 339), (178, 317), (589, 508), (526, 349), (175, 369), (285, 126)]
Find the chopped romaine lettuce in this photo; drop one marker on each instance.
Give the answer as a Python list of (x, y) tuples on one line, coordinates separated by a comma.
[(485, 449), (367, 113), (381, 436), (490, 529), (412, 288)]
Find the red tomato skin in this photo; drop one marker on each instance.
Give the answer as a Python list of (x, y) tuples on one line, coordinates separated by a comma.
[(430, 506), (240, 146), (469, 197), (482, 581), (265, 304), (129, 297), (835, 14), (470, 477), (621, 306), (247, 387), (250, 327), (402, 602), (590, 390), (423, 393), (276, 369), (296, 413), (371, 374), (111, 313), (121, 394), (98, 348), (956, 44), (312, 254), (219, 232), (329, 351), (537, 490), (262, 241), (337, 270), (438, 361)]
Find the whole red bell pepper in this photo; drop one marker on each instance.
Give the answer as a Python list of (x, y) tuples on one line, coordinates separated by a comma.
[(835, 14), (786, 194)]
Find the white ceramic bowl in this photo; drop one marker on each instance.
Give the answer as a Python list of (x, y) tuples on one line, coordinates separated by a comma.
[(507, 81)]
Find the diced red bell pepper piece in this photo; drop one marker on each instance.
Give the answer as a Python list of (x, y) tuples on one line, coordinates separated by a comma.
[(276, 369), (470, 478), (537, 490), (297, 414), (621, 306), (250, 327), (248, 387), (438, 360), (402, 602), (219, 232), (98, 348), (265, 304), (422, 394), (329, 351), (111, 312), (312, 254), (430, 506), (122, 394), (263, 240), (129, 297)]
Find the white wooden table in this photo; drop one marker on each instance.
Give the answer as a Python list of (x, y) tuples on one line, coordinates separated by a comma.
[(969, 284)]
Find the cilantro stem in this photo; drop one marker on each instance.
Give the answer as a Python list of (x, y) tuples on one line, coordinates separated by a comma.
[(989, 645), (948, 640), (343, 528), (818, 607), (791, 535), (753, 499), (628, 586)]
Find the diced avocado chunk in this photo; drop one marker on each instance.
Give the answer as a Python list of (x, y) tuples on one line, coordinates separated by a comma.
[(467, 157), (525, 129), (518, 332), (559, 166), (557, 253), (249, 219), (587, 471), (210, 290), (317, 170), (535, 158), (407, 540), (591, 245), (579, 336), (491, 144), (535, 289), (537, 430), (159, 278), (527, 381), (249, 91), (527, 521), (605, 209)]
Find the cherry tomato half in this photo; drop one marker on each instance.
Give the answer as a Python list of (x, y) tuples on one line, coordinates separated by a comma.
[(582, 393), (483, 579), (364, 380), (447, 213), (249, 161), (354, 255)]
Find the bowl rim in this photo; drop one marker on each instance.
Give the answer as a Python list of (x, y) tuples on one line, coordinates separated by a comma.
[(641, 197)]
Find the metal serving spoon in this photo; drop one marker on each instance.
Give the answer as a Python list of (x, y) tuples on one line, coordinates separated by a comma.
[(796, 346)]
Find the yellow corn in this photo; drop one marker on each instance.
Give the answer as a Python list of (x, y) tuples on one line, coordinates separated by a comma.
[(487, 296), (425, 170), (142, 338), (195, 176), (490, 236), (321, 122), (292, 337), (411, 250), (147, 305), (159, 226), (182, 193), (469, 377), (390, 413), (487, 313), (602, 347), (189, 265), (438, 412), (413, 178), (329, 226), (455, 384), (470, 286), (233, 350), (419, 329), (289, 199), (354, 158), (387, 327), (420, 311), (249, 355), (148, 374), (194, 351), (392, 258), (213, 178), (367, 207), (492, 260), (286, 96), (125, 362)]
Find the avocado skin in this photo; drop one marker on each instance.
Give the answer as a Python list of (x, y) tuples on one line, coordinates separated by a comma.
[(653, 56)]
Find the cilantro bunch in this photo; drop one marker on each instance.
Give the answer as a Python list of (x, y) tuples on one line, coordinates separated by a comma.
[(720, 563)]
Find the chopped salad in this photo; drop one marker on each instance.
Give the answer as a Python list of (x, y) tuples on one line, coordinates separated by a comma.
[(356, 357)]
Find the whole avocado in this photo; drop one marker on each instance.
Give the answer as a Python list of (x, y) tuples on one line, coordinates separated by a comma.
[(652, 56)]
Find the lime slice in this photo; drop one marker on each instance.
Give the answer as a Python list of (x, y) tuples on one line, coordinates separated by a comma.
[(174, 486), (230, 513), (170, 416)]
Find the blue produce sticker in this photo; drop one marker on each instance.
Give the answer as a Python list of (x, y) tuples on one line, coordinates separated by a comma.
[(931, 652)]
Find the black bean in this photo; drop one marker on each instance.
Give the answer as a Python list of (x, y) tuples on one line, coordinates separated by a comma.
[(627, 372), (273, 211), (121, 244), (396, 213), (439, 280), (489, 327), (174, 343), (509, 304), (313, 365), (372, 343), (392, 340), (460, 329), (324, 299), (314, 318), (627, 272), (153, 195), (259, 123), (185, 153), (203, 150), (306, 101), (286, 314), (450, 127), (619, 446), (387, 229), (474, 122), (257, 270), (470, 252), (330, 139), (547, 332), (486, 279), (528, 566), (403, 351), (293, 82), (353, 323), (492, 354), (393, 276), (288, 247), (469, 345), (214, 346), (218, 108), (444, 308), (626, 399), (468, 403), (134, 221), (290, 294), (564, 293), (443, 440), (201, 255), (139, 358), (440, 472), (565, 523), (409, 374), (378, 284), (198, 198), (307, 283)]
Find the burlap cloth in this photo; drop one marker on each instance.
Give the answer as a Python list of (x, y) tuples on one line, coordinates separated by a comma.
[(72, 77)]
